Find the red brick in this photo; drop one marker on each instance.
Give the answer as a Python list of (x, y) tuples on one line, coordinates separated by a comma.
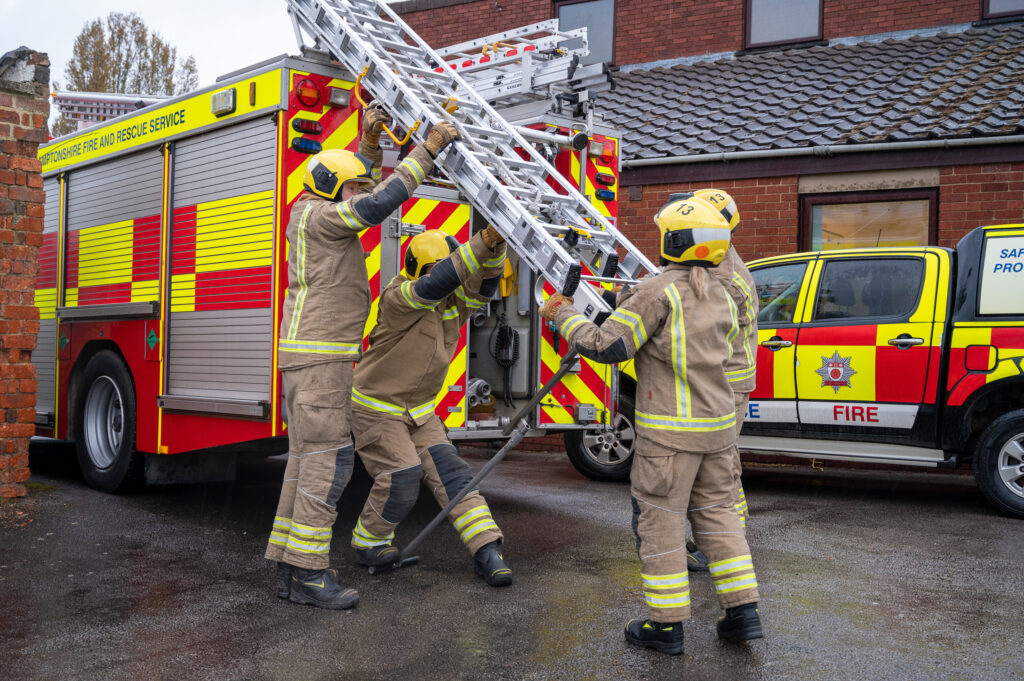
[(11, 490)]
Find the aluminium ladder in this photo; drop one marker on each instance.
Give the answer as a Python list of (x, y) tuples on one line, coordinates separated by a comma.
[(544, 219)]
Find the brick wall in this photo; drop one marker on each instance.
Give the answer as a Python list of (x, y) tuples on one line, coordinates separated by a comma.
[(24, 105), (976, 195)]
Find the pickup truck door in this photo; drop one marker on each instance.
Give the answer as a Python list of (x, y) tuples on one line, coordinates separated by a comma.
[(865, 357), (782, 285)]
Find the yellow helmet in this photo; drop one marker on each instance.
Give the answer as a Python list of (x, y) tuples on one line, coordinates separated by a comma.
[(723, 202), (330, 169), (693, 232), (427, 248)]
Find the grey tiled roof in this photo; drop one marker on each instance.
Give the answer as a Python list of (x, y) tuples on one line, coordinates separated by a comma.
[(967, 84)]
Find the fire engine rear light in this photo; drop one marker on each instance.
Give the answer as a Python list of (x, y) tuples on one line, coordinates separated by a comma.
[(339, 97), (306, 146), (605, 194), (223, 103), (306, 126), (980, 358), (308, 93), (605, 178)]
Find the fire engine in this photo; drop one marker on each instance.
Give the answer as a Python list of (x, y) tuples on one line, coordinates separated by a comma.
[(163, 270), (896, 355)]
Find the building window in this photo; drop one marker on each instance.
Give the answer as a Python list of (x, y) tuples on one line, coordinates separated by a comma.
[(598, 17), (993, 9), (868, 219), (780, 22)]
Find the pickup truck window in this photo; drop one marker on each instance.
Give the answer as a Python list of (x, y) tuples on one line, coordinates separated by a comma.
[(879, 287), (1002, 277), (777, 291)]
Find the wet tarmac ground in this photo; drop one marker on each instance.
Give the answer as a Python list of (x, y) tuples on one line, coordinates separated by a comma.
[(864, 575)]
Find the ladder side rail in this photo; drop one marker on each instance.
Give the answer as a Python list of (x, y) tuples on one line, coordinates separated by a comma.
[(547, 26)]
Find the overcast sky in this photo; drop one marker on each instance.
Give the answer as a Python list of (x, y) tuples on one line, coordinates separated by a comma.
[(223, 35)]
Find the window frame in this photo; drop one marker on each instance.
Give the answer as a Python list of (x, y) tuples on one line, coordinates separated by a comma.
[(807, 264), (865, 319), (747, 45), (557, 4), (986, 11), (809, 201)]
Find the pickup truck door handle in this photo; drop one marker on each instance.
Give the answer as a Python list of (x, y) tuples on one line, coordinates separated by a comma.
[(904, 341), (776, 343)]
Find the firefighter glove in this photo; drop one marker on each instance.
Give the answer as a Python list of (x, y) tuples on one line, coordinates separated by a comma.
[(492, 237), (373, 123), (551, 305), (441, 135)]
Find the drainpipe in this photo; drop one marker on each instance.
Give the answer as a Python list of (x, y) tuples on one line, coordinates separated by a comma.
[(827, 150)]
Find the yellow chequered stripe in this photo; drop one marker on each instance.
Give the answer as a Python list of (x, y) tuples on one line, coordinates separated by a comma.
[(183, 292), (45, 299), (143, 291), (473, 522), (235, 233), (105, 254)]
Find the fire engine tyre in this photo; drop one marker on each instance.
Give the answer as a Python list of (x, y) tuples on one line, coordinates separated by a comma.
[(605, 455), (105, 426), (999, 463)]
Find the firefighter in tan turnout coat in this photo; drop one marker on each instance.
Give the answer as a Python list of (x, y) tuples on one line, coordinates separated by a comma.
[(680, 326), (400, 439), (320, 337)]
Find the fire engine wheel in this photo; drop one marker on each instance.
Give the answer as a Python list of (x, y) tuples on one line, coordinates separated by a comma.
[(999, 463), (105, 425), (605, 455)]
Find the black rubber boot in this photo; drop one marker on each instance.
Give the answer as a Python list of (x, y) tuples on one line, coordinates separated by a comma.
[(377, 555), (491, 566), (321, 588), (665, 637), (741, 623), (696, 561), (284, 580)]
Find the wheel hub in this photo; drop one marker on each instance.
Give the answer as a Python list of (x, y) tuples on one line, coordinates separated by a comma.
[(103, 420), (1010, 464)]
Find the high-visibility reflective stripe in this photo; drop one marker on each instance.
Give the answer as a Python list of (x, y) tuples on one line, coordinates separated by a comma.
[(300, 260), (734, 329), (747, 296), (451, 313), (735, 564), (279, 538), (362, 537), (571, 324), (676, 581), (740, 583), (469, 257), (407, 293), (678, 600), (460, 293), (413, 167), (375, 173), (422, 410), (495, 261), (477, 528), (633, 321), (345, 211), (679, 351), (741, 374), (375, 404), (311, 547), (471, 515), (318, 347), (685, 424)]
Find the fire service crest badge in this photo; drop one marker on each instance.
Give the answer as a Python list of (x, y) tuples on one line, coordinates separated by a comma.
[(835, 371)]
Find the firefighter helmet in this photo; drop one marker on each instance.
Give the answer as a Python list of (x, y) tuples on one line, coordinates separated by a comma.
[(427, 248), (693, 232), (330, 169), (723, 202)]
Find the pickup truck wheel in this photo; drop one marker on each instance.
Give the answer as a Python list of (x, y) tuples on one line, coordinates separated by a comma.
[(105, 425), (999, 463), (605, 455)]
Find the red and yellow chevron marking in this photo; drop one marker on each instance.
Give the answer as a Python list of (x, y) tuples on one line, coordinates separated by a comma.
[(114, 263), (453, 219), (1005, 343)]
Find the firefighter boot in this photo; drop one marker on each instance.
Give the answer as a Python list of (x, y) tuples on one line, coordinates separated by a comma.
[(284, 579), (741, 623), (491, 566), (696, 561), (377, 555), (321, 588), (665, 637)]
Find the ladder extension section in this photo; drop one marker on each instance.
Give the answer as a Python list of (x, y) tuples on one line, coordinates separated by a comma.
[(544, 219)]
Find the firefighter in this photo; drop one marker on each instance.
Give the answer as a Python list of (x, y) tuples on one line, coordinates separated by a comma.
[(400, 439), (741, 369), (679, 325), (321, 335)]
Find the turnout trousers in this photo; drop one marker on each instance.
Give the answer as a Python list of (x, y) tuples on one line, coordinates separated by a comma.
[(398, 456), (667, 486), (739, 497), (320, 459)]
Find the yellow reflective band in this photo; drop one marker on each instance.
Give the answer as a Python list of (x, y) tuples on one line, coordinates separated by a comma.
[(495, 261), (300, 259), (407, 293), (469, 257), (375, 172), (740, 374), (571, 324), (310, 547), (422, 410), (279, 539), (318, 347), (309, 532), (734, 329), (470, 515), (679, 352), (685, 424), (375, 404), (747, 297), (477, 528), (282, 523), (633, 321), (460, 293), (676, 581), (735, 584), (678, 600), (363, 537), (742, 493), (346, 213), (451, 313), (731, 564), (413, 167)]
